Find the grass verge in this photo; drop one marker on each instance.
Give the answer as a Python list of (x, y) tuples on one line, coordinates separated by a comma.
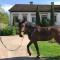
[(47, 49)]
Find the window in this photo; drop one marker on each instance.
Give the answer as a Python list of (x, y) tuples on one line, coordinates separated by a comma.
[(15, 22), (55, 18), (15, 19), (44, 17), (33, 20), (44, 20)]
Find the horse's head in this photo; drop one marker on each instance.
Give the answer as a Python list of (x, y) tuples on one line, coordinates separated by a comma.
[(28, 28), (21, 27)]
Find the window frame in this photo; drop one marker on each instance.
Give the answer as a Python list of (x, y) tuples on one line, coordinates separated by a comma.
[(44, 15)]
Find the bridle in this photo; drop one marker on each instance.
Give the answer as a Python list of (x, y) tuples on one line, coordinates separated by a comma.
[(12, 49)]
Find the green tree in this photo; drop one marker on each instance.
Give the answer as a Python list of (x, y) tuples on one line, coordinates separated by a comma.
[(52, 20), (3, 16), (37, 17)]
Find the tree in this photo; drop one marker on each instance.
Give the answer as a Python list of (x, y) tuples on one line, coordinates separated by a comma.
[(52, 20), (3, 16), (37, 17)]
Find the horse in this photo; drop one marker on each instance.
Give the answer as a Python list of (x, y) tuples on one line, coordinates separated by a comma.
[(37, 33), (21, 23)]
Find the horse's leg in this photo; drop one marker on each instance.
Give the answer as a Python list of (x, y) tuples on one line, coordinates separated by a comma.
[(57, 38), (37, 49), (28, 48), (20, 31)]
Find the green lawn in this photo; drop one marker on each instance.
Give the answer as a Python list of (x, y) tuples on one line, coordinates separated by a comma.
[(47, 49)]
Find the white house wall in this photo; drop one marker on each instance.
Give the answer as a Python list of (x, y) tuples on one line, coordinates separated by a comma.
[(11, 19), (58, 18), (20, 16), (29, 16)]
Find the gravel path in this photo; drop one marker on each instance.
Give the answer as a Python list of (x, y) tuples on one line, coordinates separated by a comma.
[(13, 42), (21, 54)]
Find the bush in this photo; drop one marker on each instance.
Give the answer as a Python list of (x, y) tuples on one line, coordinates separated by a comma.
[(14, 30), (45, 22), (8, 30)]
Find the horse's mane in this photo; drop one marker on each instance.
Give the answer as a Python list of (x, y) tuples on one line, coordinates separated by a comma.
[(30, 27), (30, 24)]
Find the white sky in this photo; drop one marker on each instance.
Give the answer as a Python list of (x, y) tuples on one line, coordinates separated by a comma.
[(6, 7)]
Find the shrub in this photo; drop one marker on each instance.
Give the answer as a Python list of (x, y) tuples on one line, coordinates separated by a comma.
[(14, 30), (8, 30)]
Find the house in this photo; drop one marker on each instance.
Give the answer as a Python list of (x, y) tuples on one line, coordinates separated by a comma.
[(28, 11)]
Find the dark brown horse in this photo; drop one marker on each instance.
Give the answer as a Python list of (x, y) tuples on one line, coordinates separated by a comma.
[(37, 33)]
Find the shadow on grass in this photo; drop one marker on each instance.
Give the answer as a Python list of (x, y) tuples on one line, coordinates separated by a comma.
[(33, 58)]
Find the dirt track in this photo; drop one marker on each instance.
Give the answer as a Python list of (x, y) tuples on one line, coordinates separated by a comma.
[(12, 42), (21, 54)]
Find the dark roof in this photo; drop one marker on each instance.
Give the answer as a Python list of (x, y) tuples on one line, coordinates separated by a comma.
[(32, 8)]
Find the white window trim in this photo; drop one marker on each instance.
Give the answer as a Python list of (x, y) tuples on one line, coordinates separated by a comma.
[(33, 15)]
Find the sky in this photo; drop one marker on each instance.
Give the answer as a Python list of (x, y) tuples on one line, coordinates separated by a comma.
[(7, 4)]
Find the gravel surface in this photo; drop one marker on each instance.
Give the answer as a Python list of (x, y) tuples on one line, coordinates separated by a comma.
[(12, 42)]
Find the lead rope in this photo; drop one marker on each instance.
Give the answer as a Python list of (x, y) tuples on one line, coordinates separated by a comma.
[(11, 49)]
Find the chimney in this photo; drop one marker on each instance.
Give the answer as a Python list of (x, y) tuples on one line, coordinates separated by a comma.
[(31, 3), (52, 3)]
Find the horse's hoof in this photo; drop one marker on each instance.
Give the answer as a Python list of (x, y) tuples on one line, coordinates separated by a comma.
[(21, 36), (29, 54)]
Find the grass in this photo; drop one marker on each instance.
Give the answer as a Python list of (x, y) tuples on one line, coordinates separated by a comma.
[(47, 49)]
